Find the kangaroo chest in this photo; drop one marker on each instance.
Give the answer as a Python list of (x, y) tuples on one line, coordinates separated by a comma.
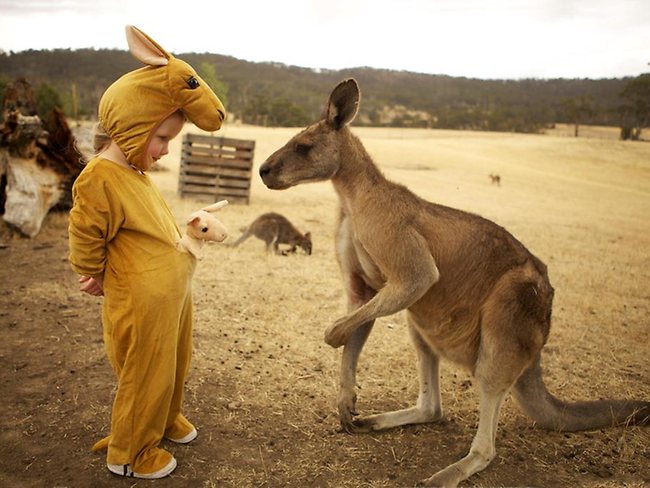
[(371, 274), (354, 257)]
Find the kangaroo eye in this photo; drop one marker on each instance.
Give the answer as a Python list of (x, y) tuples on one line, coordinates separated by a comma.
[(303, 149), (204, 229), (193, 83)]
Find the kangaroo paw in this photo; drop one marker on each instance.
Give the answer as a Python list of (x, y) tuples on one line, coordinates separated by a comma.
[(362, 425), (338, 333)]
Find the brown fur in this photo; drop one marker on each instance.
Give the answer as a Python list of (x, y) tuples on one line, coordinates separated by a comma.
[(275, 229), (474, 294)]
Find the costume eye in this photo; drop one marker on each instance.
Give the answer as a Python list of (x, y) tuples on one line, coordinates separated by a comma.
[(193, 83), (204, 229), (303, 149)]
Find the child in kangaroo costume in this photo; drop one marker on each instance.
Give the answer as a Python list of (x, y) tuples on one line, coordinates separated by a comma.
[(124, 244)]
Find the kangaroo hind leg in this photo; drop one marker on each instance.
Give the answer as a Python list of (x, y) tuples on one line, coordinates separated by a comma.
[(275, 241), (510, 339), (483, 447), (271, 235)]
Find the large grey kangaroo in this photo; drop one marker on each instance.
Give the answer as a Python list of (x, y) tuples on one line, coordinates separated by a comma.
[(473, 293)]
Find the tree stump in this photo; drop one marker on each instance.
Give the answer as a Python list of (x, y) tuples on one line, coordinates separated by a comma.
[(38, 162)]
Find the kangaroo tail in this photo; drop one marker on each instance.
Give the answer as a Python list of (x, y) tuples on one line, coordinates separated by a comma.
[(101, 445), (554, 414), (242, 237)]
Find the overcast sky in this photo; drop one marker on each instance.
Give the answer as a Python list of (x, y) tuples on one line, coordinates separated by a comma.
[(473, 38)]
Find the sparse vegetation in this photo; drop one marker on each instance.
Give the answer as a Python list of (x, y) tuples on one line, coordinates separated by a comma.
[(47, 98), (208, 72), (636, 110)]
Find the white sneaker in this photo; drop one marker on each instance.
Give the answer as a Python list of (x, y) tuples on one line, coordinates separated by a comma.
[(187, 439), (125, 470)]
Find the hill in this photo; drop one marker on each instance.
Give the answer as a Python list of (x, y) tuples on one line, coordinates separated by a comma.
[(282, 95)]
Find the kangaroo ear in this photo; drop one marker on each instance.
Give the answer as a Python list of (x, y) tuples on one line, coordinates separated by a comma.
[(144, 48), (215, 206), (343, 103)]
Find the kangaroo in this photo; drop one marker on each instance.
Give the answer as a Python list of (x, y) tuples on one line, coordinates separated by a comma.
[(275, 229), (495, 179), (473, 293)]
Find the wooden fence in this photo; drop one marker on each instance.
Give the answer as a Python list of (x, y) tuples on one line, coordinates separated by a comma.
[(216, 168)]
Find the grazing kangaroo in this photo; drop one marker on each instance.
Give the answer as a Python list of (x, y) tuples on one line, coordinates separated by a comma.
[(275, 229), (473, 293)]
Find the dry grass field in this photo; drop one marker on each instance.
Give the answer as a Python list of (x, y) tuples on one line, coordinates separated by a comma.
[(262, 388)]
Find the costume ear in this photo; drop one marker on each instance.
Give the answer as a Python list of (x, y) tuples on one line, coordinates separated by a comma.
[(215, 206), (144, 48)]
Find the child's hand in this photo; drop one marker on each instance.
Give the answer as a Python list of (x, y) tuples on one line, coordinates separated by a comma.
[(92, 286)]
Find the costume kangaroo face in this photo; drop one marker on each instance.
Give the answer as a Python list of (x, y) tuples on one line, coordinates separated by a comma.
[(133, 106)]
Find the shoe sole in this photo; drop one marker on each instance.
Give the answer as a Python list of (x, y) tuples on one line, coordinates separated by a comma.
[(125, 470), (187, 439)]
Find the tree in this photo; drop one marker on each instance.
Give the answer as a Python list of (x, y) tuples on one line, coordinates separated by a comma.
[(3, 88), (208, 72), (576, 109), (284, 113), (636, 110), (46, 99), (264, 109), (74, 101)]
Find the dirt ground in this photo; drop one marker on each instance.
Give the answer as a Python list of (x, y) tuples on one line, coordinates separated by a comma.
[(262, 387)]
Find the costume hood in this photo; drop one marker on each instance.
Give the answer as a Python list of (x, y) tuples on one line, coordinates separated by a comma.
[(134, 105)]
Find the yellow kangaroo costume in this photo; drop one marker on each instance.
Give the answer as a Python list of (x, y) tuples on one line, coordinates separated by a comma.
[(120, 227)]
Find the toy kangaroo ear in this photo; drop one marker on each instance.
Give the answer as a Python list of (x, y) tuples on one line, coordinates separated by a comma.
[(215, 206), (144, 48), (193, 219)]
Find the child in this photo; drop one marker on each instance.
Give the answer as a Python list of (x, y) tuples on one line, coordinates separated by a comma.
[(123, 244)]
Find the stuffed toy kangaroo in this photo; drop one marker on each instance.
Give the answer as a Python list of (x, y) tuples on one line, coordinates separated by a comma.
[(203, 226)]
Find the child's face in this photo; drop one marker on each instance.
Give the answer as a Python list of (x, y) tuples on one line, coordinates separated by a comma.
[(167, 130)]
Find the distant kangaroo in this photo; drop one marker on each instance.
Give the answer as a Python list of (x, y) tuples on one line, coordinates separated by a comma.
[(474, 294), (275, 229)]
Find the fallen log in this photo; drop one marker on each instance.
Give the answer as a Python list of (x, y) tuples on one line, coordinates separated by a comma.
[(38, 164), (31, 192)]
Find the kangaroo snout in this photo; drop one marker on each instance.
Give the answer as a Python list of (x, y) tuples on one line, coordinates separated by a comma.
[(264, 170), (265, 174), (272, 177)]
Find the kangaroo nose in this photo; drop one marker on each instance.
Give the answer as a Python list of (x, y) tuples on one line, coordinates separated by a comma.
[(264, 170)]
